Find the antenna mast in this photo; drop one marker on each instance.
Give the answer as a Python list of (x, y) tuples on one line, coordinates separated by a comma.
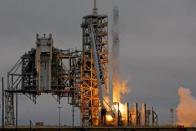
[(95, 8)]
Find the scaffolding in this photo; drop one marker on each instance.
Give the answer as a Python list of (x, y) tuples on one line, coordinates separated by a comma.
[(53, 71), (94, 70), (81, 76)]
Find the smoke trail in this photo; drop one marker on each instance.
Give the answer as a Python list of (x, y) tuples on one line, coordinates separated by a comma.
[(186, 109)]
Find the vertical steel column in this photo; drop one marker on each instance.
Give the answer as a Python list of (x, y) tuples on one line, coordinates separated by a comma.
[(59, 110), (118, 118), (128, 117), (73, 116), (2, 103), (16, 111), (9, 103)]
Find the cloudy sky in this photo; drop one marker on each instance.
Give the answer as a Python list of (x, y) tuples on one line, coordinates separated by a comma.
[(157, 47)]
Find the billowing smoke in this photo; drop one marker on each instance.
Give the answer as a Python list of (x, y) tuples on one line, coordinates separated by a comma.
[(186, 109)]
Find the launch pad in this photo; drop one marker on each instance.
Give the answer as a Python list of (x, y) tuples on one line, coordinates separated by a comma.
[(82, 76), (49, 128)]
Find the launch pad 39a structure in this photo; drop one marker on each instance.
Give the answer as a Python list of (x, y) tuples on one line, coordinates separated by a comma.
[(80, 75)]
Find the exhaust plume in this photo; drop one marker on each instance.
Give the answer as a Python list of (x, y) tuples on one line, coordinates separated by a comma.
[(120, 86), (186, 109)]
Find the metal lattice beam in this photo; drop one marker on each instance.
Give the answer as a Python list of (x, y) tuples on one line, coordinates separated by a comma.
[(24, 77), (94, 70)]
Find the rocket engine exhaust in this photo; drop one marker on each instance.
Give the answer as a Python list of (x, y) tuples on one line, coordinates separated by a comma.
[(119, 86)]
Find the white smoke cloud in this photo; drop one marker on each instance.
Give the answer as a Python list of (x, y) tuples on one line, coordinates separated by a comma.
[(186, 109)]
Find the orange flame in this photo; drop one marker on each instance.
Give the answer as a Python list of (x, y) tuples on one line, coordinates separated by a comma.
[(120, 88), (109, 118)]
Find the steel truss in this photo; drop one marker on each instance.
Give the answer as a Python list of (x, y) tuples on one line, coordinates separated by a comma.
[(94, 70), (21, 79)]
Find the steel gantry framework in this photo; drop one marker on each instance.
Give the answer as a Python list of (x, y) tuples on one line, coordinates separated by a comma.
[(94, 69), (44, 69), (81, 76)]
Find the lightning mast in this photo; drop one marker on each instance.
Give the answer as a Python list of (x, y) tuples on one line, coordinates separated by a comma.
[(95, 7)]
